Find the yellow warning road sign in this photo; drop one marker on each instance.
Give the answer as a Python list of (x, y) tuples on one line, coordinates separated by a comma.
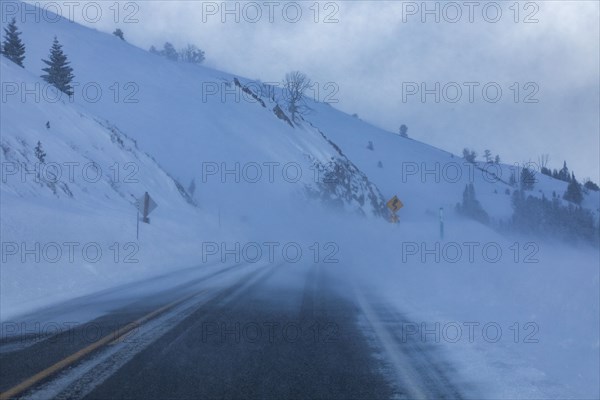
[(395, 204)]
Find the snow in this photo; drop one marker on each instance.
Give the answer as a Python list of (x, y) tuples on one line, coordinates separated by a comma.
[(175, 130)]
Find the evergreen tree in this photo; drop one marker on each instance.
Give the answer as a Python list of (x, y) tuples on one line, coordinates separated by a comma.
[(497, 159), (589, 185), (370, 146), (512, 180), (488, 156), (12, 46), (380, 164), (404, 130), (119, 33), (192, 187), (563, 174), (59, 72), (527, 179), (169, 52), (39, 153), (574, 193), (546, 171), (471, 207), (550, 218)]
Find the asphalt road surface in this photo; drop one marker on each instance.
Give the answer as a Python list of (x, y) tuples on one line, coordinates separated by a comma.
[(287, 331)]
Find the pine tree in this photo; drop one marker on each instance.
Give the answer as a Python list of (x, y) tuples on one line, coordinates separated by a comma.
[(513, 180), (574, 193), (39, 153), (58, 73), (370, 146), (403, 131), (488, 156), (563, 174), (527, 179), (12, 46), (169, 52), (192, 187), (546, 171), (589, 185), (471, 207), (549, 217), (119, 33)]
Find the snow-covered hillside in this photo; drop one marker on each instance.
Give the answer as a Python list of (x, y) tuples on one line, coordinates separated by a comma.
[(205, 132), (427, 178), (82, 193), (210, 126), (225, 164)]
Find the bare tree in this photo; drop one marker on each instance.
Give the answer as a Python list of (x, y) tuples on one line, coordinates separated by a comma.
[(543, 160), (469, 155), (295, 84), (191, 54)]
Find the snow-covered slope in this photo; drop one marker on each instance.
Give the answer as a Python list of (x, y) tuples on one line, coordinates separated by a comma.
[(426, 178), (86, 159), (83, 193), (209, 127)]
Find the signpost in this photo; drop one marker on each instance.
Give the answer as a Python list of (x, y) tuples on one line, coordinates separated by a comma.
[(145, 205), (441, 223), (394, 204)]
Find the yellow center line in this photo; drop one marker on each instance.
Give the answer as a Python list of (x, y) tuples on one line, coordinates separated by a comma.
[(73, 358)]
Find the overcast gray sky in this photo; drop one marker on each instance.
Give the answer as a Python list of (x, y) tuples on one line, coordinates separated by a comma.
[(381, 53)]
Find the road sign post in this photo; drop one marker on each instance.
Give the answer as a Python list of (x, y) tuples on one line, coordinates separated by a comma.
[(441, 223), (394, 204), (145, 205)]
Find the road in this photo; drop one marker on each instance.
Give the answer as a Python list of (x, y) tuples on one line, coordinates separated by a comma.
[(288, 331)]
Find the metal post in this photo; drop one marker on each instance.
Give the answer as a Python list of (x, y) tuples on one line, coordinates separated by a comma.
[(441, 223), (146, 205)]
